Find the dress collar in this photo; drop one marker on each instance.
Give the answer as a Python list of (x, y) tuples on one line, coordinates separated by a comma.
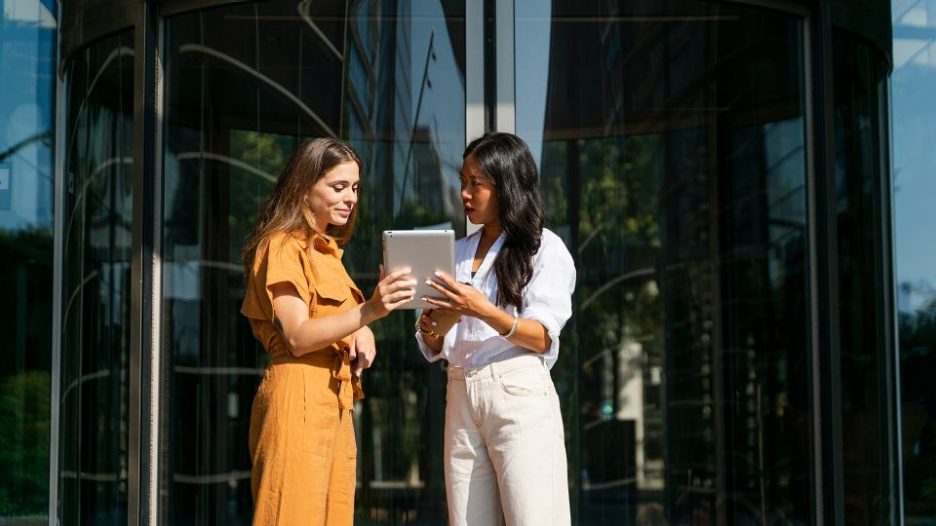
[(326, 244), (322, 243)]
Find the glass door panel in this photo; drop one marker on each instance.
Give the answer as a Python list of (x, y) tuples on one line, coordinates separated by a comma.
[(388, 78), (671, 143), (98, 218)]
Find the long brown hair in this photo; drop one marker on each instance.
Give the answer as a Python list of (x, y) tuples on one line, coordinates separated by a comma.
[(507, 160), (286, 210)]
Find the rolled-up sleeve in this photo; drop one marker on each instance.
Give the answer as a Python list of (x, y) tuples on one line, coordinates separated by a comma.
[(548, 296), (281, 260)]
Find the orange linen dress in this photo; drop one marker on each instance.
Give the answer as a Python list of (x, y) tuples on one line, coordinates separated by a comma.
[(301, 432)]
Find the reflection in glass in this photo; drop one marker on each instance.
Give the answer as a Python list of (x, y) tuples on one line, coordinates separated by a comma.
[(98, 217), (27, 67), (389, 78), (671, 141), (860, 150), (913, 84)]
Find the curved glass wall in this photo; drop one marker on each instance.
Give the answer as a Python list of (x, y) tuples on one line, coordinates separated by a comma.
[(389, 78), (671, 141), (27, 67), (913, 107), (93, 466), (861, 165)]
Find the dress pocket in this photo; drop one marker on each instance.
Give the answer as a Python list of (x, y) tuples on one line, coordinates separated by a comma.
[(524, 383)]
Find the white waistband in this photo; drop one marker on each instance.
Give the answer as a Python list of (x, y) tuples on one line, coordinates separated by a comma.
[(497, 369)]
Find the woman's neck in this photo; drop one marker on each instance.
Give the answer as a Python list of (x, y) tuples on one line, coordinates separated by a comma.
[(491, 231)]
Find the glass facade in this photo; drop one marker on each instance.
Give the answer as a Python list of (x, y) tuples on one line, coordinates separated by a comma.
[(913, 113), (720, 172), (673, 160), (862, 231), (387, 77), (97, 217), (27, 110)]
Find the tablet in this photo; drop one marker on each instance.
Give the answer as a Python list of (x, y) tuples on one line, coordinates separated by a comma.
[(423, 251)]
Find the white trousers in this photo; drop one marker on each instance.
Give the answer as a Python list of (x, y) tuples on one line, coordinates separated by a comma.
[(505, 456)]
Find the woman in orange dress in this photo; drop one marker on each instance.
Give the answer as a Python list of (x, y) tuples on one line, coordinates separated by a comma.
[(312, 320)]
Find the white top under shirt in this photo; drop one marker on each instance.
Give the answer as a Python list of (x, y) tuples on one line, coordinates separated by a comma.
[(547, 299)]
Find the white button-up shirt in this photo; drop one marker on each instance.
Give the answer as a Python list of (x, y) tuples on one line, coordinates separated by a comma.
[(547, 299)]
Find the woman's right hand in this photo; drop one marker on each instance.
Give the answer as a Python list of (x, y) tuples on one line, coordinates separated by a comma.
[(427, 327), (392, 291), (437, 322)]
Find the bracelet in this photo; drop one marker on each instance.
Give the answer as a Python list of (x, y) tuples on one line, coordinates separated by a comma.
[(432, 333), (513, 328)]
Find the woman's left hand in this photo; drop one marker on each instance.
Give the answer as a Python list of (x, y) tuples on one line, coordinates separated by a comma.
[(459, 297), (363, 350)]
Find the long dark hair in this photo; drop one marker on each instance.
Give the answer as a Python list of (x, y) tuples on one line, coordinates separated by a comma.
[(286, 210), (507, 160)]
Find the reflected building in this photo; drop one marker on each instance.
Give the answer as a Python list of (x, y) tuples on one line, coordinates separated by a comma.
[(720, 171)]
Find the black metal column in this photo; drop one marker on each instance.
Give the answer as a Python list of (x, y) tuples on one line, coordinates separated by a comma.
[(828, 485), (143, 267)]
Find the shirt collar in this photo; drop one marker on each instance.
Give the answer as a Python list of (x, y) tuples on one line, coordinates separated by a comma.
[(485, 268)]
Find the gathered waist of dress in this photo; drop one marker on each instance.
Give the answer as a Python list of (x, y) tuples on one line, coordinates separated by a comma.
[(324, 358), (337, 362)]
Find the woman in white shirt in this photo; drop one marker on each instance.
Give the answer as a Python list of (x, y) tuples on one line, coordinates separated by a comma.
[(504, 453)]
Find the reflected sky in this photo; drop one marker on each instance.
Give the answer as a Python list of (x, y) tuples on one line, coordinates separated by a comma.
[(913, 84), (439, 112), (27, 66), (913, 114), (532, 34)]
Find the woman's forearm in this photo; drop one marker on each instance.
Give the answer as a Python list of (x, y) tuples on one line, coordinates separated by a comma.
[(530, 334), (304, 334), (315, 334)]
